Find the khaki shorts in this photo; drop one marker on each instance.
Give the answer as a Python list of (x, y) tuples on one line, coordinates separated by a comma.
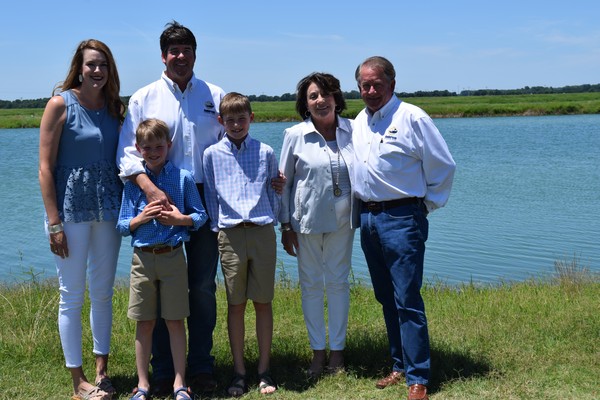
[(158, 274), (248, 257)]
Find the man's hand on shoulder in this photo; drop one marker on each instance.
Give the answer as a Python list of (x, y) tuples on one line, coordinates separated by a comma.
[(278, 183), (151, 191)]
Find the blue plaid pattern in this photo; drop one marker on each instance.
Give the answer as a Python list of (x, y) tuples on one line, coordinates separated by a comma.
[(181, 188), (237, 183)]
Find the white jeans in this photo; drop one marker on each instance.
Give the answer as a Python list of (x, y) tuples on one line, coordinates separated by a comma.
[(94, 249), (323, 267)]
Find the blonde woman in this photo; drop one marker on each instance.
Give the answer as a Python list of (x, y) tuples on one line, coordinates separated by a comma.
[(81, 190)]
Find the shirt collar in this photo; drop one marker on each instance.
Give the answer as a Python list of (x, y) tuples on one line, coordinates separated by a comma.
[(388, 108), (232, 145), (174, 87), (166, 169), (309, 126)]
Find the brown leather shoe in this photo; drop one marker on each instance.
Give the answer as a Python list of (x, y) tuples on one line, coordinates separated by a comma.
[(392, 379), (417, 392)]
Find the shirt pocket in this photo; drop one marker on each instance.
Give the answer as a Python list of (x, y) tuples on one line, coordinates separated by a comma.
[(394, 155), (300, 201)]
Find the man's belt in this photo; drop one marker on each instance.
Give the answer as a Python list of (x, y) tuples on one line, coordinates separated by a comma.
[(377, 206)]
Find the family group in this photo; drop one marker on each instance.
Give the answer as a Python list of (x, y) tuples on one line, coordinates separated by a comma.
[(178, 171)]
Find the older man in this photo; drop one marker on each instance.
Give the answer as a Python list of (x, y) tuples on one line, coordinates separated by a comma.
[(403, 170)]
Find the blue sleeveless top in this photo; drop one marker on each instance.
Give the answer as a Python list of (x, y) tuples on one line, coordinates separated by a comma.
[(88, 187)]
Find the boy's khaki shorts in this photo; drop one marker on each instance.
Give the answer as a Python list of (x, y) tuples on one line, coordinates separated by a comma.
[(248, 257), (158, 274)]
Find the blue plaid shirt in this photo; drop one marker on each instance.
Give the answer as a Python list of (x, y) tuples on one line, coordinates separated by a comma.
[(179, 185), (237, 183)]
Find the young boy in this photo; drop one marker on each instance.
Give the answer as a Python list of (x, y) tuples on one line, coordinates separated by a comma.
[(159, 267), (243, 207)]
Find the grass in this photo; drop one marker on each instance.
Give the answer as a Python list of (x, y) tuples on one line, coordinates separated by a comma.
[(437, 107), (15, 118), (526, 340), (484, 106)]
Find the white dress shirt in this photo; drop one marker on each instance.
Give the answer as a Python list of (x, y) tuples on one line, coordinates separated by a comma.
[(400, 153), (191, 117)]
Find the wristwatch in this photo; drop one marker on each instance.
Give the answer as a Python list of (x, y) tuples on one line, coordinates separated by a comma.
[(285, 228)]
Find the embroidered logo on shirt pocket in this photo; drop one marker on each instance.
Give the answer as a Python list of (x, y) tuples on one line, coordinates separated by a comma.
[(209, 107)]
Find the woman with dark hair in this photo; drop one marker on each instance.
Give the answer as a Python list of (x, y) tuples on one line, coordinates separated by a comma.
[(318, 216), (81, 190)]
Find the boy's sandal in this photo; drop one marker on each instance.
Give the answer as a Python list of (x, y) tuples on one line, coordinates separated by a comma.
[(183, 393), (265, 381), (139, 394), (238, 386), (93, 394), (106, 385)]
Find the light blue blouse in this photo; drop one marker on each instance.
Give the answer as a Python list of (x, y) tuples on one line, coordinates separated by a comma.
[(86, 177)]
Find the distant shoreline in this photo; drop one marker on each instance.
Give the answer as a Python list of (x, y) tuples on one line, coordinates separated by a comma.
[(436, 107)]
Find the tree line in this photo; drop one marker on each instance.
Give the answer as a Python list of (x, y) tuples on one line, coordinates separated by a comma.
[(354, 94)]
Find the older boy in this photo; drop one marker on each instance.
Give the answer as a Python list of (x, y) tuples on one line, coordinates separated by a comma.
[(159, 267), (243, 207)]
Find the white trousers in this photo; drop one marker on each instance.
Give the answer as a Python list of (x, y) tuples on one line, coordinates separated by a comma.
[(93, 251), (324, 262)]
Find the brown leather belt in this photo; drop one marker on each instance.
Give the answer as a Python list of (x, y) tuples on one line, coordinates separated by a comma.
[(377, 206), (246, 224), (160, 249)]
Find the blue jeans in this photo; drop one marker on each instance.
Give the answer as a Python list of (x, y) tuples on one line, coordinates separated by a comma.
[(393, 241), (202, 258)]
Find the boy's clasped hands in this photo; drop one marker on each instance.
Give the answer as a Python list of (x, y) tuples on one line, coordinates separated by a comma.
[(156, 210)]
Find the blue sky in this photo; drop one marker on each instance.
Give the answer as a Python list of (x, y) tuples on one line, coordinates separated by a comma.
[(265, 47)]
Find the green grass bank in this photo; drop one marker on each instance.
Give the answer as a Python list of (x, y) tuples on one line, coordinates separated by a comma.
[(527, 340), (437, 107)]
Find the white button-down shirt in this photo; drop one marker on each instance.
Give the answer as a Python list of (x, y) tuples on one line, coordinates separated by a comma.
[(400, 153), (191, 117)]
